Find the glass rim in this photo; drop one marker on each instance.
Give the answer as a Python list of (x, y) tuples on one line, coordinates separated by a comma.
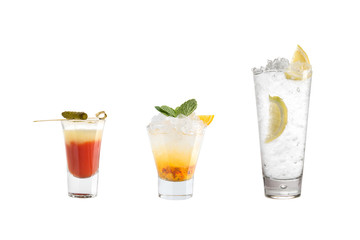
[(82, 121), (259, 71)]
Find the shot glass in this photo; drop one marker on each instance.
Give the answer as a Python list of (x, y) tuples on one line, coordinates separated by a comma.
[(176, 153), (83, 142), (282, 110)]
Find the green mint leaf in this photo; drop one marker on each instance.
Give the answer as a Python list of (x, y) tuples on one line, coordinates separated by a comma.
[(162, 111), (167, 111), (177, 111), (187, 107)]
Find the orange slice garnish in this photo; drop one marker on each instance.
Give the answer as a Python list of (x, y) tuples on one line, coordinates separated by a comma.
[(207, 119)]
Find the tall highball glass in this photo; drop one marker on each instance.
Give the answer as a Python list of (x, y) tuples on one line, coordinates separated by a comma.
[(282, 109)]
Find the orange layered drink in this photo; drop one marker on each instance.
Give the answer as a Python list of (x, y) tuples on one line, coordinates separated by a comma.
[(176, 154), (176, 136)]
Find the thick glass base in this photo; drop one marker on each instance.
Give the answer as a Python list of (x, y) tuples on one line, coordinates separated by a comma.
[(282, 189), (82, 187), (175, 190), (74, 195)]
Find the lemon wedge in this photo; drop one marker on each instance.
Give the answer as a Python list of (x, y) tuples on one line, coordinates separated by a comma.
[(300, 64), (278, 118), (207, 119), (300, 56)]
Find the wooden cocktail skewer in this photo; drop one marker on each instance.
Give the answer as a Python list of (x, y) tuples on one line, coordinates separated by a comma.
[(50, 120), (92, 118)]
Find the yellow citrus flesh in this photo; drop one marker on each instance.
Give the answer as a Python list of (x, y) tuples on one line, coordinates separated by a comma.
[(207, 119), (302, 60), (300, 56), (278, 118)]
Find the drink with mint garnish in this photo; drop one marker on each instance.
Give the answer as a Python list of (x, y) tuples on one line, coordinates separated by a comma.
[(176, 136)]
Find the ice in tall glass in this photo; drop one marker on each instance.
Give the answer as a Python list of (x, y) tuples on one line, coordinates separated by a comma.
[(282, 98)]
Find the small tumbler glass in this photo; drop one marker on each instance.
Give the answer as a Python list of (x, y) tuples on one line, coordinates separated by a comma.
[(83, 142), (175, 155)]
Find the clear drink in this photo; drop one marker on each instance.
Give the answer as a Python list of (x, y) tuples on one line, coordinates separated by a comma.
[(282, 108)]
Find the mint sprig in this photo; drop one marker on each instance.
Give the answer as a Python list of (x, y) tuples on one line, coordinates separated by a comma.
[(186, 109), (166, 110)]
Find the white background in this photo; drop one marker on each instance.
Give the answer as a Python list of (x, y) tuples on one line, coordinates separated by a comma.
[(125, 57)]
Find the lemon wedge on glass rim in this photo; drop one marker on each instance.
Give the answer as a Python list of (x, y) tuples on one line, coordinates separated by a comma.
[(278, 118), (207, 119), (300, 67)]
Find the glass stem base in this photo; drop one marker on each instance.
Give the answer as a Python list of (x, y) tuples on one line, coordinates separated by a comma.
[(83, 187), (282, 189), (175, 190)]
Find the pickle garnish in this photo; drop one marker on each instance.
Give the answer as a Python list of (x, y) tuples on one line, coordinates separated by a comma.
[(69, 115), (74, 115)]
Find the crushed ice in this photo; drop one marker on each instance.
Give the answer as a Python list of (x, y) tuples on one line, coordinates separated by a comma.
[(184, 124), (276, 65), (282, 65)]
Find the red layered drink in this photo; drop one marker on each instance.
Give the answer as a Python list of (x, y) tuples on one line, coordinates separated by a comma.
[(83, 152), (82, 142)]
